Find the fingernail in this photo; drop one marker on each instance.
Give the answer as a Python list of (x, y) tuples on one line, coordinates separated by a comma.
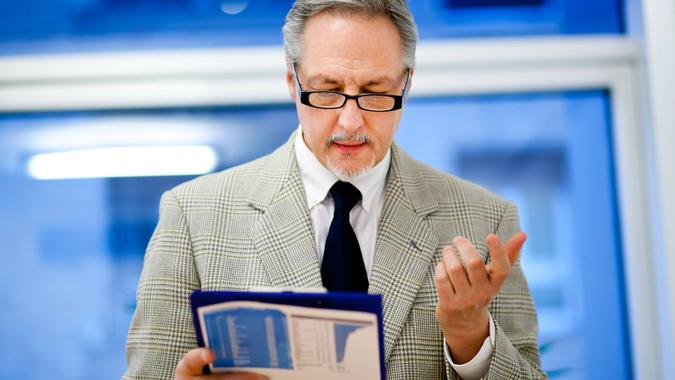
[(205, 356)]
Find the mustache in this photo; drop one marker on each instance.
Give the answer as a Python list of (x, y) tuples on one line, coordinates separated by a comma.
[(341, 137)]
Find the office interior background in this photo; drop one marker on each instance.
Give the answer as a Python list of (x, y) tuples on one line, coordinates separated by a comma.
[(563, 106)]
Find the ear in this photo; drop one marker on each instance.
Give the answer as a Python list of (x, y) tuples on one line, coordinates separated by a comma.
[(410, 83), (290, 83)]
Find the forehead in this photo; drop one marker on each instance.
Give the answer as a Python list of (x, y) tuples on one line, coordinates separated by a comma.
[(344, 47)]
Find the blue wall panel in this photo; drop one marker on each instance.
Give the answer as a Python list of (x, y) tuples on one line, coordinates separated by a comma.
[(40, 26)]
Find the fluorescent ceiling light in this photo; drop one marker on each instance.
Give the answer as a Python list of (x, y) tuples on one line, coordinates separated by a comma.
[(132, 161)]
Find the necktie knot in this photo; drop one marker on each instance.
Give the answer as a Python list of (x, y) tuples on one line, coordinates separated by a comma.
[(345, 195)]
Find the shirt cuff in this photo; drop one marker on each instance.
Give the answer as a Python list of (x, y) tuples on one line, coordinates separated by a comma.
[(479, 365)]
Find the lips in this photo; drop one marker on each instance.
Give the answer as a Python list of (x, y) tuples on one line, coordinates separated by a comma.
[(349, 146)]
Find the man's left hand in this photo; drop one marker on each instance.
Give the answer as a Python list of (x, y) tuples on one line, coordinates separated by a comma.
[(466, 286)]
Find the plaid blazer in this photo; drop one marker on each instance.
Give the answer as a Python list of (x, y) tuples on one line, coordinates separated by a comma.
[(250, 226)]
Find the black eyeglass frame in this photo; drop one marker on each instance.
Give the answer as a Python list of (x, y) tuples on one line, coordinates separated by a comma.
[(304, 95)]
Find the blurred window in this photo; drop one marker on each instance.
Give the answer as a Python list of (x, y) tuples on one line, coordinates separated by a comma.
[(555, 161), (73, 249)]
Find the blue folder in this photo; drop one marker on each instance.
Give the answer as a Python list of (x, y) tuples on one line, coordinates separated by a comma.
[(370, 303)]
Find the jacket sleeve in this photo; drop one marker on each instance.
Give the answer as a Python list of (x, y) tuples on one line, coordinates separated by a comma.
[(516, 351), (516, 354), (161, 330)]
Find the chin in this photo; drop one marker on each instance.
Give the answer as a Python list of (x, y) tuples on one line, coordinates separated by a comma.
[(349, 173)]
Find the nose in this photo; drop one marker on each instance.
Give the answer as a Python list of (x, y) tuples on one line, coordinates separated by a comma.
[(350, 116)]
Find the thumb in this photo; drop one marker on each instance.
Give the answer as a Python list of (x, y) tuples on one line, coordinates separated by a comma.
[(514, 246), (193, 362)]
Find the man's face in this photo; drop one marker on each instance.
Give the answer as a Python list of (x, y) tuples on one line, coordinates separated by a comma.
[(354, 55)]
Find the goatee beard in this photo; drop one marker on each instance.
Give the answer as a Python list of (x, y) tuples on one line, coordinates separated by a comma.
[(348, 175)]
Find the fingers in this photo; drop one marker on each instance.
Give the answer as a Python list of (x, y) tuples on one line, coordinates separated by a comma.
[(455, 270), (472, 261), (237, 376), (193, 362), (460, 269), (191, 365), (443, 285), (499, 266)]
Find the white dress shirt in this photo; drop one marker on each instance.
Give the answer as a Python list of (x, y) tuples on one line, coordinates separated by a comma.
[(364, 217)]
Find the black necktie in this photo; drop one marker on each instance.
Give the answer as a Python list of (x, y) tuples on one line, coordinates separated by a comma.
[(342, 267)]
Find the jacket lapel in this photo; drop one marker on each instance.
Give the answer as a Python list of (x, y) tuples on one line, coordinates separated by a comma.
[(283, 235), (405, 244)]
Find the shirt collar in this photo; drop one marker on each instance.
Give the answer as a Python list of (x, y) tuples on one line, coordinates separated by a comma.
[(318, 180)]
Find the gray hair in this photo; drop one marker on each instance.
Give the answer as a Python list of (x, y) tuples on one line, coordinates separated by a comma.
[(396, 10)]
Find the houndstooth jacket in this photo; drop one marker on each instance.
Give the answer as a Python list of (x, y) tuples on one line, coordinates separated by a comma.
[(249, 226)]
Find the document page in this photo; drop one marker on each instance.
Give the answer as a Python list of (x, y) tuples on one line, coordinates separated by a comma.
[(291, 342)]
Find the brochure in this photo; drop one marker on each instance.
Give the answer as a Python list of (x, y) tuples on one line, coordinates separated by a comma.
[(328, 336)]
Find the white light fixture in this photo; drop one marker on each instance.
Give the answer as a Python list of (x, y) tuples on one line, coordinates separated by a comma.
[(131, 161), (233, 7)]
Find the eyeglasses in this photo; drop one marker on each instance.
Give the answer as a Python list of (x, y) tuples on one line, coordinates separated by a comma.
[(336, 99)]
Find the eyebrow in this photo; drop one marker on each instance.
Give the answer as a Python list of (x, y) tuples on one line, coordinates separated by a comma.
[(327, 79)]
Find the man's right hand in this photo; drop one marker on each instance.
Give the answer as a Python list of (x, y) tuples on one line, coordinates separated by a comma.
[(191, 365)]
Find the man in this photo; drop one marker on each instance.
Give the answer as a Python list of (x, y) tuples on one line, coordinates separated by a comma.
[(341, 205)]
